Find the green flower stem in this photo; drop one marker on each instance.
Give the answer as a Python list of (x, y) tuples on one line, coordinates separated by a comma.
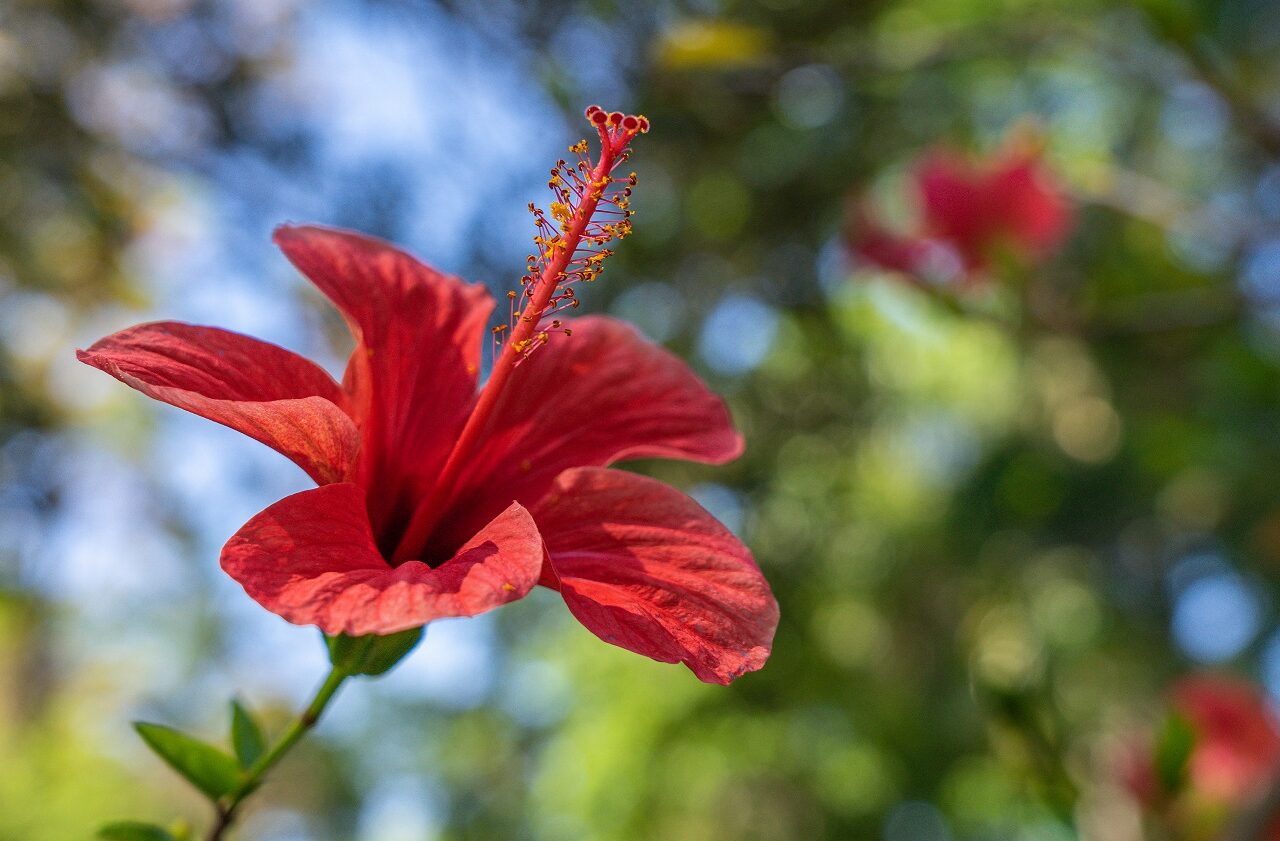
[(253, 776)]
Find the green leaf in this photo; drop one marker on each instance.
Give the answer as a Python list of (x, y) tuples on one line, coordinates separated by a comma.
[(133, 831), (371, 655), (207, 768), (246, 736), (1174, 745)]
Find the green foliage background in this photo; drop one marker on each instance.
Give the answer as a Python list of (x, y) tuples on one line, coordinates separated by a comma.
[(975, 511)]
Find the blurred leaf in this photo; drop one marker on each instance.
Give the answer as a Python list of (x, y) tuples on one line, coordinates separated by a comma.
[(707, 44), (246, 736), (207, 768), (1180, 20), (133, 831), (1173, 749), (371, 655)]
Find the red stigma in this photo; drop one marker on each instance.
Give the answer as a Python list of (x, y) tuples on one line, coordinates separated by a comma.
[(615, 128)]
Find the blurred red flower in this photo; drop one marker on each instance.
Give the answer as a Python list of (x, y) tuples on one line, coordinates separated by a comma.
[(409, 525), (970, 213), (1237, 745), (1234, 749)]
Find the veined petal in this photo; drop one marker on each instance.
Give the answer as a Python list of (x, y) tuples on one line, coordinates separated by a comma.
[(599, 396), (266, 392), (413, 373), (311, 559), (646, 568)]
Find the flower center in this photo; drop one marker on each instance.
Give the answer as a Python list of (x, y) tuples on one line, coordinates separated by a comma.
[(590, 209)]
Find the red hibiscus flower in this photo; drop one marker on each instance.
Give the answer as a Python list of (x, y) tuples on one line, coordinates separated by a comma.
[(969, 213), (437, 498)]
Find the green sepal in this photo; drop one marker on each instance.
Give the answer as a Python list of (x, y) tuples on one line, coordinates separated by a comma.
[(1174, 744), (133, 831), (372, 654), (246, 736), (209, 769)]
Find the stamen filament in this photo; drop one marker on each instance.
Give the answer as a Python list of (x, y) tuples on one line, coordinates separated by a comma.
[(558, 250)]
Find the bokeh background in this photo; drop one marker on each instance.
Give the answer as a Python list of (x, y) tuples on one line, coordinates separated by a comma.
[(1000, 521)]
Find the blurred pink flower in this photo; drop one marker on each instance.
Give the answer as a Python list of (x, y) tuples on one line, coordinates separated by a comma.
[(1233, 754), (1237, 745), (971, 211)]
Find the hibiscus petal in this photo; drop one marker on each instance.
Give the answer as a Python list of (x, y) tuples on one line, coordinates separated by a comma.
[(413, 374), (599, 396), (646, 568), (264, 391), (311, 559)]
